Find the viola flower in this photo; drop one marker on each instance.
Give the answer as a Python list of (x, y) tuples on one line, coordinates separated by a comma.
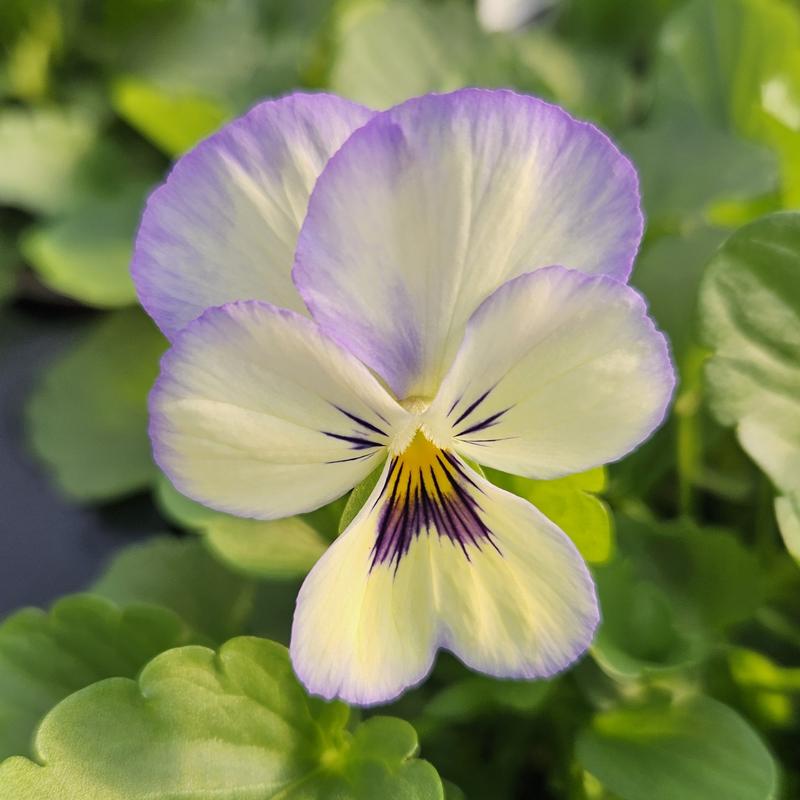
[(434, 285)]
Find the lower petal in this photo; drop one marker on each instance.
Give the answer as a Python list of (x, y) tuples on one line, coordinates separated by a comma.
[(439, 557)]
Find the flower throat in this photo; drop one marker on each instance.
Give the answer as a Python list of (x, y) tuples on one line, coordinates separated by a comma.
[(427, 489)]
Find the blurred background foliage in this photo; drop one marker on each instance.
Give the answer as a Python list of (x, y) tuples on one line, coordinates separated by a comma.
[(692, 688)]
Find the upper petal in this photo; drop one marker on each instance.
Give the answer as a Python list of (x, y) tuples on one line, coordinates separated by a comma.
[(224, 225), (258, 413), (434, 204), (558, 372)]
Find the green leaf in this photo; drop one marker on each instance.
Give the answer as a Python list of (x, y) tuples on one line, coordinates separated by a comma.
[(181, 575), (358, 497), (209, 49), (9, 267), (120, 22), (178, 77), (477, 695), (212, 56), (695, 749), (86, 253), (172, 120), (666, 602), (87, 419), (737, 63), (638, 634), (618, 25), (754, 669), (273, 609), (669, 272), (231, 725), (42, 151), (452, 792), (388, 51), (750, 318), (769, 691), (687, 165), (640, 474), (787, 510), (45, 656), (326, 520), (277, 549), (28, 59), (590, 84), (712, 579), (180, 509), (571, 503), (282, 548)]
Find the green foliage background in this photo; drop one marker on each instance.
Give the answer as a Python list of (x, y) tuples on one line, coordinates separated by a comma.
[(692, 688)]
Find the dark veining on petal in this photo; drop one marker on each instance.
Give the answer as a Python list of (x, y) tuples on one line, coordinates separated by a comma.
[(356, 442), (427, 490), (362, 438), (473, 406), (484, 442), (352, 458), (455, 403), (484, 423), (362, 422)]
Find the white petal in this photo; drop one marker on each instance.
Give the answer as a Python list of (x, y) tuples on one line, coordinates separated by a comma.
[(224, 225), (432, 205), (513, 601), (258, 413), (507, 15), (558, 372)]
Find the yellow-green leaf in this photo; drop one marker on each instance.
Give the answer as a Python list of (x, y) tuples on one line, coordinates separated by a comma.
[(281, 548), (571, 503), (173, 120)]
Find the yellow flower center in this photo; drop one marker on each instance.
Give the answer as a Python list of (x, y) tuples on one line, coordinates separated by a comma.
[(416, 404), (421, 468), (426, 490)]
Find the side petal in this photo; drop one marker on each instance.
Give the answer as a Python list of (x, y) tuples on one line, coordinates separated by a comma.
[(433, 204), (258, 413), (558, 372), (505, 589), (224, 225)]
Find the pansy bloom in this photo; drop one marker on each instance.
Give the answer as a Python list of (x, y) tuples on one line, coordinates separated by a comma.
[(439, 284)]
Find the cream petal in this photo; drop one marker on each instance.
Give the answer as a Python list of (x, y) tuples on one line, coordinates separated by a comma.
[(558, 372), (473, 569), (432, 205), (258, 413)]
